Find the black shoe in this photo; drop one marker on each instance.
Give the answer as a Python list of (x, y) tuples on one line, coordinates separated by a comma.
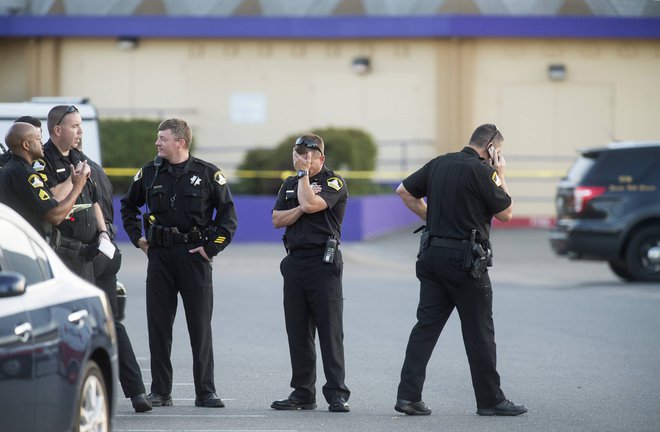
[(293, 403), (211, 400), (504, 408), (339, 404), (159, 400), (412, 408), (141, 403)]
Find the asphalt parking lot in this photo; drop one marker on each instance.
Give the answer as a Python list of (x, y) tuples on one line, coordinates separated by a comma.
[(576, 345)]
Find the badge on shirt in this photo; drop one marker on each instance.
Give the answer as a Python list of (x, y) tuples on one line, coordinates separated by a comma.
[(219, 178), (39, 165), (44, 195), (35, 181), (496, 179), (195, 180), (138, 175), (335, 183)]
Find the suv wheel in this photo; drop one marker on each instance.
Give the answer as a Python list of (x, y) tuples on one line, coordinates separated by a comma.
[(619, 268), (643, 255)]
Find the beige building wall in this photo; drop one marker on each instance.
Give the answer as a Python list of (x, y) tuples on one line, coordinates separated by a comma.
[(421, 98)]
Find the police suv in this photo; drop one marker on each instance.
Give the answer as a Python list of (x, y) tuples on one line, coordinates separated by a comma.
[(608, 208)]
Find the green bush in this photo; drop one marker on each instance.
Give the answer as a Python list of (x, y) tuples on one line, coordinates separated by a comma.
[(345, 149), (127, 144)]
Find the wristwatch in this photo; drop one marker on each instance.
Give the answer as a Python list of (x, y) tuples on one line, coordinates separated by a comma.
[(301, 173)]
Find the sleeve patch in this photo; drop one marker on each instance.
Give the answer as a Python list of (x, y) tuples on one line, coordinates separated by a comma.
[(35, 181), (39, 165), (44, 195), (138, 176), (496, 179), (335, 183), (218, 177), (220, 240)]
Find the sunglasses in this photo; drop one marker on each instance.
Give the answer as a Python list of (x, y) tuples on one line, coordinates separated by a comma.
[(493, 137), (70, 109), (309, 144)]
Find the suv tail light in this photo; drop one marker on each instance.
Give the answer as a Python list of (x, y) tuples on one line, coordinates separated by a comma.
[(583, 194)]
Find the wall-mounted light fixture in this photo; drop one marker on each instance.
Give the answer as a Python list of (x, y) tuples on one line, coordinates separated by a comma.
[(127, 43), (361, 65), (557, 72)]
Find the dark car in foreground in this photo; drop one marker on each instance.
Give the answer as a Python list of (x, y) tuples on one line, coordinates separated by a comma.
[(608, 209), (58, 359)]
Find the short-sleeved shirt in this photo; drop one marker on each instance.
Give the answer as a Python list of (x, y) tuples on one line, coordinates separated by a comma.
[(312, 230), (463, 193), (24, 190), (193, 194), (81, 225)]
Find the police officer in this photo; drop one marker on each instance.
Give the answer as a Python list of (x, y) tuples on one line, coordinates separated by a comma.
[(181, 193), (311, 205), (23, 189), (464, 191), (105, 275), (81, 231)]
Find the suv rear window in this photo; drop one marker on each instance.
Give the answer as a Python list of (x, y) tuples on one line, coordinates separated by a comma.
[(617, 166)]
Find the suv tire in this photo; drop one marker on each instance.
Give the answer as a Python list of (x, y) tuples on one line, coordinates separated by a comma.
[(642, 255), (619, 268)]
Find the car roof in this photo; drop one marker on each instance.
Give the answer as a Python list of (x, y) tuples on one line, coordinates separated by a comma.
[(618, 145)]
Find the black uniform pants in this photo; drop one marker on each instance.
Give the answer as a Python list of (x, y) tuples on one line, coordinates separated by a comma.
[(130, 377), (313, 301), (170, 272), (445, 286)]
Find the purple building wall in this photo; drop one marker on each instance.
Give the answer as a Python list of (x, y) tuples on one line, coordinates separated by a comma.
[(366, 217)]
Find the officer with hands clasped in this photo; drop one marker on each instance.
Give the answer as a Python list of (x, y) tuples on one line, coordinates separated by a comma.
[(24, 189), (80, 233), (311, 205), (464, 190), (182, 194)]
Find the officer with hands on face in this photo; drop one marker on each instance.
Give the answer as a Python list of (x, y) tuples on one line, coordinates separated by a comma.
[(182, 194), (464, 191), (80, 233), (24, 190), (311, 205)]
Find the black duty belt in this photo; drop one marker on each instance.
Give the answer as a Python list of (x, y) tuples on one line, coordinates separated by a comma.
[(447, 243), (307, 252)]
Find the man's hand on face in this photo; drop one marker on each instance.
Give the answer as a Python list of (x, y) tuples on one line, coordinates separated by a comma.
[(302, 162)]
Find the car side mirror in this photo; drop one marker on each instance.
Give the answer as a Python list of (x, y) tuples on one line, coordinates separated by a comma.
[(11, 284)]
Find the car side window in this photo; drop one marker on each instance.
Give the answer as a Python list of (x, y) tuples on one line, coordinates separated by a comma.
[(23, 255)]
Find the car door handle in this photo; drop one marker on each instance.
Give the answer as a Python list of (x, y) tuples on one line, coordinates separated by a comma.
[(23, 331), (77, 316)]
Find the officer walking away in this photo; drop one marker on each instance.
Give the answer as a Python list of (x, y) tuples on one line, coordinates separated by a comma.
[(24, 190), (464, 190), (105, 274), (311, 205), (79, 234), (182, 236)]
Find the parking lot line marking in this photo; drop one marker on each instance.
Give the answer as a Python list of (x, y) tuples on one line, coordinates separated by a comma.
[(196, 416), (207, 430)]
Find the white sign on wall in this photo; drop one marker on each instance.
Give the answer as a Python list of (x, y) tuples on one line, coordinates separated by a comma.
[(248, 108)]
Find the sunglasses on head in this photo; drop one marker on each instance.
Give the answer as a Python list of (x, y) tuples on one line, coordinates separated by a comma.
[(309, 144), (493, 137), (70, 109)]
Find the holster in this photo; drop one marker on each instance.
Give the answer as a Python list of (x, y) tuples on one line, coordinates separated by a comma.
[(477, 257), (424, 239)]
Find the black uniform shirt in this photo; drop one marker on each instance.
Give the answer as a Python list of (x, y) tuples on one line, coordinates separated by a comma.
[(183, 197), (24, 190), (463, 193), (104, 192), (312, 230), (82, 225)]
